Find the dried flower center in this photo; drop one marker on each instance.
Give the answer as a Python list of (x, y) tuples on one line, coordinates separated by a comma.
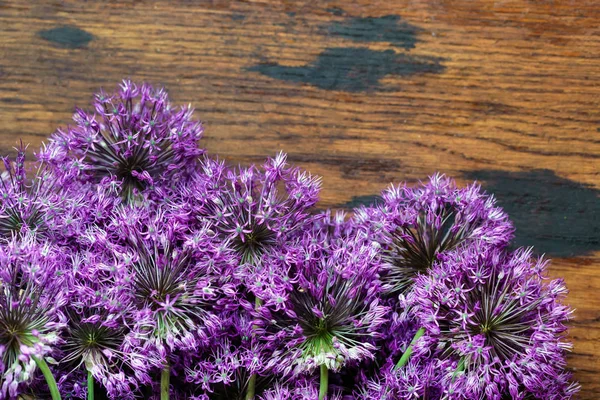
[(18, 322), (124, 171), (157, 287), (165, 285), (13, 220), (254, 244), (501, 319), (415, 247), (85, 342), (486, 328)]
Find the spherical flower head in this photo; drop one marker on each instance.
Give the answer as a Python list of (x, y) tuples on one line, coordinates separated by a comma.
[(321, 307), (255, 210), (95, 335), (31, 301), (178, 281), (415, 380), (135, 138), (223, 369), (27, 204), (417, 225), (492, 313)]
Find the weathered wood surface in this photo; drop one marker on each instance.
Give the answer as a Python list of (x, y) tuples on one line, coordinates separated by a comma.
[(361, 92)]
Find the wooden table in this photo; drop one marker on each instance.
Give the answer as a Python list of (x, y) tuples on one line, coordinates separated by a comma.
[(361, 92)]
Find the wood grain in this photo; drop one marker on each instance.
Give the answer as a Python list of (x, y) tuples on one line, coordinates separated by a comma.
[(361, 92)]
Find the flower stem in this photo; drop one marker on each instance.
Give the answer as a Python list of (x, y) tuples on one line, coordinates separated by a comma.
[(324, 383), (90, 382), (251, 390), (404, 359), (251, 387), (41, 363), (165, 376), (459, 368)]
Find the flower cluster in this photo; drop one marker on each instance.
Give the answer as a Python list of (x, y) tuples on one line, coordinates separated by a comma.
[(135, 138), (133, 265)]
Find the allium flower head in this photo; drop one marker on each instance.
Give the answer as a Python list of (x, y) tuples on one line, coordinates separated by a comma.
[(322, 307), (416, 380), (97, 327), (416, 225), (31, 301), (491, 313), (177, 281), (171, 297), (224, 370), (255, 210), (26, 205), (136, 138)]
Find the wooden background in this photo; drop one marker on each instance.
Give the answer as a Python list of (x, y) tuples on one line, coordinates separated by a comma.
[(361, 92)]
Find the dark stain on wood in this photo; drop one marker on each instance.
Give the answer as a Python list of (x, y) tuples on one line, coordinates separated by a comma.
[(357, 201), (238, 17), (70, 37), (557, 216), (352, 69), (388, 29)]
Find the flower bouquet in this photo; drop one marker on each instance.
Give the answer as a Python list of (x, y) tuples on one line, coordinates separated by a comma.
[(134, 265)]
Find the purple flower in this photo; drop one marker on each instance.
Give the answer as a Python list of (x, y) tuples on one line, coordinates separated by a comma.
[(28, 205), (502, 326), (31, 300), (416, 380), (321, 308), (97, 328), (136, 139), (417, 225), (179, 281), (225, 369), (279, 392), (252, 210)]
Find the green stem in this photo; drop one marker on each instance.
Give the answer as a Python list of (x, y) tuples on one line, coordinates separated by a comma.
[(404, 359), (251, 387), (165, 376), (90, 382), (41, 363), (324, 383), (251, 390), (459, 368)]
